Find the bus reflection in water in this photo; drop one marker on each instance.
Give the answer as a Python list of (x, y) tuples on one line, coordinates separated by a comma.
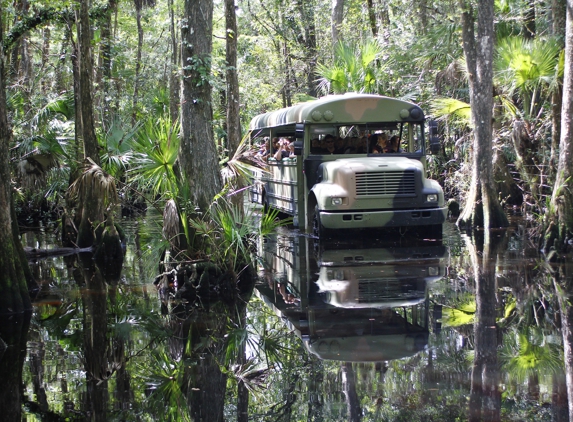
[(357, 305)]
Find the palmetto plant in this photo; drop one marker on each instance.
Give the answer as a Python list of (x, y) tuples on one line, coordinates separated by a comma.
[(355, 69), (118, 145), (529, 68), (155, 151)]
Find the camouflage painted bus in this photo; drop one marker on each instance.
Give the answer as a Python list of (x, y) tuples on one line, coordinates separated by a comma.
[(344, 172)]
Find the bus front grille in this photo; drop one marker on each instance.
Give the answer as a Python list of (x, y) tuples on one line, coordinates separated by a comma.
[(386, 183), (380, 290)]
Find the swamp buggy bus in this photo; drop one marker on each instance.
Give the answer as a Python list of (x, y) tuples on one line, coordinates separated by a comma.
[(342, 173)]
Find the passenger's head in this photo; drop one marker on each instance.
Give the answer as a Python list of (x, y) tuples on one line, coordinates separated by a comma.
[(394, 144), (329, 142)]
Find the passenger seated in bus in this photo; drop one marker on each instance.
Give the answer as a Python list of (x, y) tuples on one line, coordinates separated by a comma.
[(315, 146), (377, 149), (377, 143), (362, 146), (394, 144), (351, 145), (329, 145)]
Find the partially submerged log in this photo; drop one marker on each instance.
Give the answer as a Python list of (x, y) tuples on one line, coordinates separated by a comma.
[(34, 253)]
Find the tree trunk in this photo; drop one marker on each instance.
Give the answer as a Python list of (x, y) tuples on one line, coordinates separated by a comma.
[(233, 104), (197, 152), (308, 43), (372, 18), (104, 68), (14, 334), (337, 15), (485, 396), (560, 218), (14, 297), (564, 289), (174, 82), (86, 67), (529, 21), (482, 206), (349, 387), (138, 7), (558, 9)]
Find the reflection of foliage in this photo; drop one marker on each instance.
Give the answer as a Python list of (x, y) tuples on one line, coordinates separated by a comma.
[(528, 352), (165, 379), (460, 314)]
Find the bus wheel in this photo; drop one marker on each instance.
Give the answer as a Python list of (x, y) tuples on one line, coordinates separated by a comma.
[(433, 231), (318, 229)]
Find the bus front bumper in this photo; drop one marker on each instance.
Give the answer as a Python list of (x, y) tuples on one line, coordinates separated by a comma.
[(364, 219)]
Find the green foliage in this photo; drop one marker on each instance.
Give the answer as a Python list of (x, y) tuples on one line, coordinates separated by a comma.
[(156, 146), (355, 69), (118, 148), (529, 68)]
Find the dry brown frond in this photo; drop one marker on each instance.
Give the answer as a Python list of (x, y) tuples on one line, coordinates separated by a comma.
[(96, 180)]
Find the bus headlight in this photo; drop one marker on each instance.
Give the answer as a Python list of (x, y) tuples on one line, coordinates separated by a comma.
[(337, 200), (433, 197)]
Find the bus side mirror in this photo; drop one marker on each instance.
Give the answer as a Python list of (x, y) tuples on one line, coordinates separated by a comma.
[(298, 145), (299, 138), (434, 137)]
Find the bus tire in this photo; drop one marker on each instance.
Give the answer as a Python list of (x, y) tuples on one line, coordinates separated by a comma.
[(433, 231), (265, 203), (318, 229)]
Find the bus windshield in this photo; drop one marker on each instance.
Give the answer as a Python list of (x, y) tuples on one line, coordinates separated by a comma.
[(375, 138)]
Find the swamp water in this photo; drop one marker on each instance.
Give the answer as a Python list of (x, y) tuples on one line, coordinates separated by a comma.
[(383, 329)]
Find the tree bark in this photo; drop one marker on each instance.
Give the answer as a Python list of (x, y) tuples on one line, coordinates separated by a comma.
[(197, 152), (174, 82), (337, 16), (104, 71), (14, 297), (558, 11), (529, 21), (372, 18), (564, 289), (482, 206), (485, 395), (233, 104), (138, 7), (560, 218), (85, 96)]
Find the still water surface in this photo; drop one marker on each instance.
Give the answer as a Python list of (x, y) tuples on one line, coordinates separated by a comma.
[(375, 328)]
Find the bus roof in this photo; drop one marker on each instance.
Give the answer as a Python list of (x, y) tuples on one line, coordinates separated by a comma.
[(346, 108)]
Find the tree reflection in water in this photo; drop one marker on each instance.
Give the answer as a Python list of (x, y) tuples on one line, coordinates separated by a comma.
[(485, 395), (108, 353)]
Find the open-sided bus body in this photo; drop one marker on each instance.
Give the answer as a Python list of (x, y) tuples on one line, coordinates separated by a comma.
[(350, 186)]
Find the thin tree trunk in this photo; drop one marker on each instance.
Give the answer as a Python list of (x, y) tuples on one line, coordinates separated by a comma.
[(233, 104), (86, 68), (372, 18), (564, 289), (174, 82), (349, 388), (138, 7), (336, 22), (104, 68), (529, 21), (482, 206), (561, 210)]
